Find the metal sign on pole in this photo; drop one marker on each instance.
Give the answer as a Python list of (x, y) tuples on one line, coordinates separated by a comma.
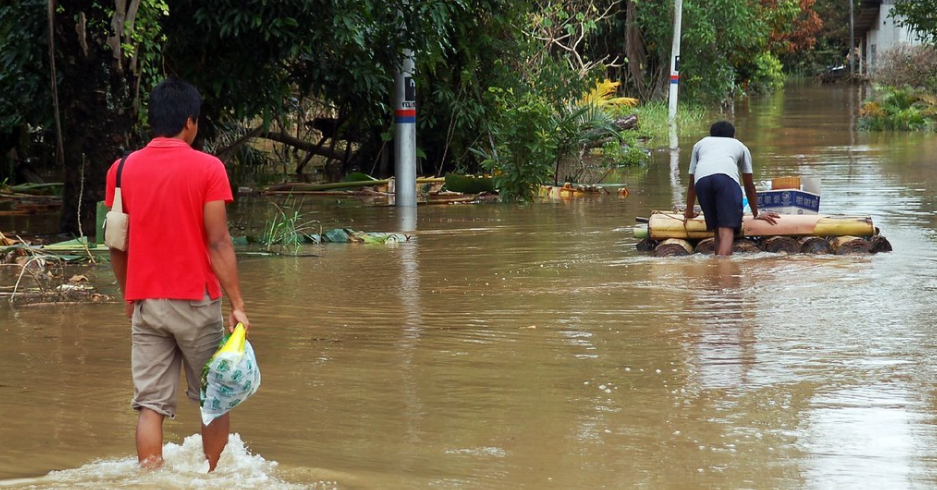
[(405, 133)]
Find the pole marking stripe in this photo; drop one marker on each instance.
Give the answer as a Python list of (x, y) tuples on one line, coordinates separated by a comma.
[(675, 78), (405, 116)]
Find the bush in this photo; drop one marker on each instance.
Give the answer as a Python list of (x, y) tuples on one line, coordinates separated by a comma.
[(625, 152), (905, 65), (903, 109), (525, 145), (769, 73)]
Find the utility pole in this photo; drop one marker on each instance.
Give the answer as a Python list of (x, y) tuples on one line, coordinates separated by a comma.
[(676, 188), (852, 39), (405, 133), (675, 58)]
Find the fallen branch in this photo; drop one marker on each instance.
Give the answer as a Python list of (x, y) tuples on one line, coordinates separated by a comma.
[(295, 142)]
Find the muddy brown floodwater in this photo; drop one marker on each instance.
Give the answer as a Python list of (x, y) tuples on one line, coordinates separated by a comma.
[(511, 347)]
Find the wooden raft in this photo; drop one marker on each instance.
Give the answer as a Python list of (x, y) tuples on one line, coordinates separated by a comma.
[(667, 234)]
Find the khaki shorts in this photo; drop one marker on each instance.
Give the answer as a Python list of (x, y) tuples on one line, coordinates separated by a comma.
[(170, 334)]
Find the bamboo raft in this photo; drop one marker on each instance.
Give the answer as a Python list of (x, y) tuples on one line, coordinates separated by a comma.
[(669, 235)]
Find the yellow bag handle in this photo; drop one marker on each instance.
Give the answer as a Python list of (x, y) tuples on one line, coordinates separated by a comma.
[(235, 342)]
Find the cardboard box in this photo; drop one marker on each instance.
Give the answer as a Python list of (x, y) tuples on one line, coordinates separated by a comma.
[(792, 201)]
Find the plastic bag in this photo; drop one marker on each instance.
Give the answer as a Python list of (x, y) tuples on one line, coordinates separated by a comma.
[(229, 377)]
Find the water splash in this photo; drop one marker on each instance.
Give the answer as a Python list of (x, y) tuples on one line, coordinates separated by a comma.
[(185, 467)]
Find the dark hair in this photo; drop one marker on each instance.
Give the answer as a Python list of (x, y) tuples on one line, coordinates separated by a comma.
[(722, 129), (172, 102)]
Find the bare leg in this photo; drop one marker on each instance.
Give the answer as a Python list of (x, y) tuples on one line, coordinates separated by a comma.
[(215, 438), (150, 439), (724, 239)]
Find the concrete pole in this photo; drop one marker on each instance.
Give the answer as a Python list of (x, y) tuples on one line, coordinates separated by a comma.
[(405, 133), (852, 38), (675, 58), (676, 188)]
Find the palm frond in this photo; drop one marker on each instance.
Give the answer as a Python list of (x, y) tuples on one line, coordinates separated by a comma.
[(603, 94)]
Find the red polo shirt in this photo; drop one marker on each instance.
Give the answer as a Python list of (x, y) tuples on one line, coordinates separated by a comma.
[(164, 188)]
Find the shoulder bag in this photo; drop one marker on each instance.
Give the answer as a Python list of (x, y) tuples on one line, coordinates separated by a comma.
[(116, 222)]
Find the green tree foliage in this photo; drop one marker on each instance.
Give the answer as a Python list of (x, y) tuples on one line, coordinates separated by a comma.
[(832, 39), (101, 57), (727, 46), (264, 61), (920, 16), (720, 43), (251, 59), (23, 77), (523, 146), (345, 52)]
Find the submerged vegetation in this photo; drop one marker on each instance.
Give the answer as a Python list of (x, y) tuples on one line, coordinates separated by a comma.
[(904, 91), (905, 109)]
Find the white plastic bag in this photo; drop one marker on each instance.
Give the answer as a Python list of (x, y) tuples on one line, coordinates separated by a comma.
[(229, 377)]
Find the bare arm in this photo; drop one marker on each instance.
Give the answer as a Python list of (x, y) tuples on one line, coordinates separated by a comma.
[(223, 260), (688, 213), (119, 263), (752, 196)]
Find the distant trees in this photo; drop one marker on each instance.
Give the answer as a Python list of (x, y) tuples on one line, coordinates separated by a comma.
[(251, 60), (262, 65)]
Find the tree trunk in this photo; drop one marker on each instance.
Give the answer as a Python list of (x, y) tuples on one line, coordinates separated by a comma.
[(781, 244), (97, 111), (635, 50), (646, 245), (850, 245), (744, 245), (880, 244), (673, 247), (814, 245), (706, 246)]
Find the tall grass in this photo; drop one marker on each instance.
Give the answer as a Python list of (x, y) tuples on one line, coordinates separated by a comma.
[(654, 121), (287, 230)]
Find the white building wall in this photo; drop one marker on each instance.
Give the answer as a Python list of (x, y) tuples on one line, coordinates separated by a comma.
[(886, 35)]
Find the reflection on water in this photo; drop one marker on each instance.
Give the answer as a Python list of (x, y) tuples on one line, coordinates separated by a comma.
[(534, 347)]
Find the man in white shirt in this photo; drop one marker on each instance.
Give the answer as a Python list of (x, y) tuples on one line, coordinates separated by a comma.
[(715, 166)]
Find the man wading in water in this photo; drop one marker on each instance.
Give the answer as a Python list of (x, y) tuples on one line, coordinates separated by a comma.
[(715, 166), (179, 258)]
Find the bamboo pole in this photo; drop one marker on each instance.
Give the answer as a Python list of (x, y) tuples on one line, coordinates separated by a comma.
[(640, 231), (673, 247), (662, 226), (298, 186)]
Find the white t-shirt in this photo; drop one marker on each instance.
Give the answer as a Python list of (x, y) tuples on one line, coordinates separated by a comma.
[(717, 155)]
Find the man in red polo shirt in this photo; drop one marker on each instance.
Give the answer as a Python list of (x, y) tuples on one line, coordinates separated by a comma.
[(179, 258)]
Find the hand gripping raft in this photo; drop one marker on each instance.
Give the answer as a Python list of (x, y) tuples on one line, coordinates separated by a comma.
[(229, 377)]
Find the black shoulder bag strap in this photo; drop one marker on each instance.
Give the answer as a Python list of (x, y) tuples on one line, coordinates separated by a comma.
[(120, 168)]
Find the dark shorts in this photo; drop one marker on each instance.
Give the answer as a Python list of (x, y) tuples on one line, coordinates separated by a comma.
[(720, 197)]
